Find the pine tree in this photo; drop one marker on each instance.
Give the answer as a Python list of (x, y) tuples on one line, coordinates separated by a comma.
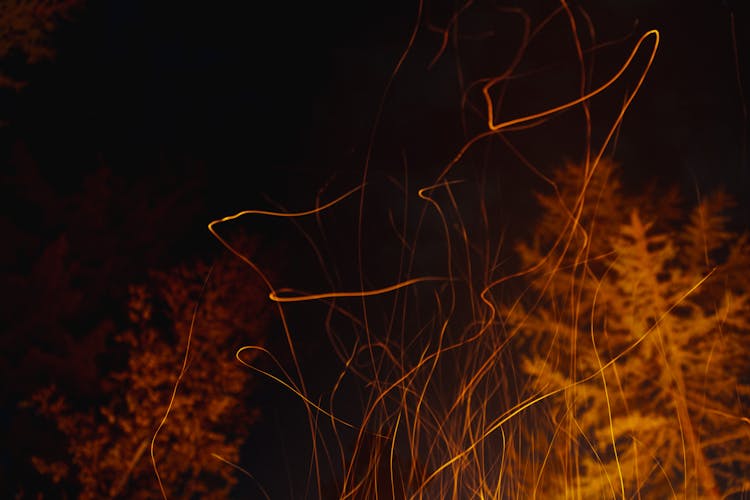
[(640, 320), (109, 445)]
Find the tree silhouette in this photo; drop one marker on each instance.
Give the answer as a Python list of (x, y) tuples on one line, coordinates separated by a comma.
[(638, 320), (210, 416), (26, 27)]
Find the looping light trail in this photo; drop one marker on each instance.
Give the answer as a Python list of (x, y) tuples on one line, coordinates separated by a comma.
[(496, 127)]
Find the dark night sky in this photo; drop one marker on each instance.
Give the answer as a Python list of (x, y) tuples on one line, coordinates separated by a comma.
[(215, 104), (265, 89)]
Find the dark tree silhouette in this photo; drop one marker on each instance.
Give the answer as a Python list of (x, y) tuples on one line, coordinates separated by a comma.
[(210, 416)]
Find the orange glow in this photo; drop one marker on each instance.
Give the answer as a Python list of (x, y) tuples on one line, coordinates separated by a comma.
[(481, 382)]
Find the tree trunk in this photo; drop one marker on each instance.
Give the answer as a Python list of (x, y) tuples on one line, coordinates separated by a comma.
[(703, 471)]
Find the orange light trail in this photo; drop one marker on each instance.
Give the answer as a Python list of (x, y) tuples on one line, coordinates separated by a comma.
[(468, 392)]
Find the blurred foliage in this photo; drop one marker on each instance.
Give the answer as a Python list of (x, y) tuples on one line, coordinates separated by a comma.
[(26, 28), (109, 445), (650, 361), (73, 249)]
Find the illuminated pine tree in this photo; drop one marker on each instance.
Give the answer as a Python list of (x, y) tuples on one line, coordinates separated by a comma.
[(209, 419), (638, 323)]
